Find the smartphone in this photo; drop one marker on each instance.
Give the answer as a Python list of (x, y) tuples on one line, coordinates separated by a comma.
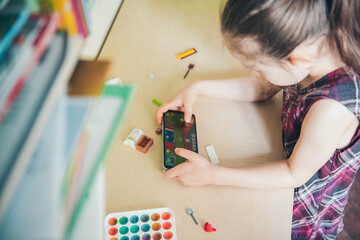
[(177, 134)]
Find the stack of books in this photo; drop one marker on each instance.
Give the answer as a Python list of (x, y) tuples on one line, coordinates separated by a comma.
[(54, 134)]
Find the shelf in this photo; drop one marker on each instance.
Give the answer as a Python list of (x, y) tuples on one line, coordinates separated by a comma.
[(103, 14), (23, 131), (58, 87), (91, 221)]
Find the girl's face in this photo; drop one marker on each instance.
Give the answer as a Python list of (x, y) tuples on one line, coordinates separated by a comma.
[(279, 72)]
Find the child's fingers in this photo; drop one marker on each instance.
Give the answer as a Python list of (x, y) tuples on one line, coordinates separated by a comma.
[(159, 117), (173, 172), (188, 112), (180, 108), (185, 153), (166, 107), (161, 110)]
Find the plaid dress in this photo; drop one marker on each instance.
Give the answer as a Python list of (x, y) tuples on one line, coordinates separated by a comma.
[(319, 204)]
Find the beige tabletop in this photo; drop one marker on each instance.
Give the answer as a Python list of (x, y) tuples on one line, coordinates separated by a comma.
[(143, 44)]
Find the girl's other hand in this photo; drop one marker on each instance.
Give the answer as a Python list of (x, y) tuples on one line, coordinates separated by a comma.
[(196, 171), (182, 101)]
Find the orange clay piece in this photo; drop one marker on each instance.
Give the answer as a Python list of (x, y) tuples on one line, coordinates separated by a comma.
[(144, 143), (186, 53)]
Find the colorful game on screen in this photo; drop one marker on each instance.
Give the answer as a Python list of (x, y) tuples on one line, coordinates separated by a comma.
[(177, 134), (150, 224)]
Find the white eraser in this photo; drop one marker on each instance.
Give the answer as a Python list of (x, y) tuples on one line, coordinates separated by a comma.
[(133, 137), (114, 81), (212, 154)]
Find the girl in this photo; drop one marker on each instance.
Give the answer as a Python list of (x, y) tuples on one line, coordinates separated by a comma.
[(310, 49)]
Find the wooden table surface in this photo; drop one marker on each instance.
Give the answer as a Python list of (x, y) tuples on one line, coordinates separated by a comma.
[(143, 44)]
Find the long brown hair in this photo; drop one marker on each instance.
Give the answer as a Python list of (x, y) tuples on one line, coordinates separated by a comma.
[(279, 26)]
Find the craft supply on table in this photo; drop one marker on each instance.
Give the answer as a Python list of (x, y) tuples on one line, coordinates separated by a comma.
[(144, 143), (156, 102), (191, 213), (114, 81), (209, 228), (151, 76), (138, 140), (158, 131), (146, 224), (210, 150), (186, 53), (191, 66)]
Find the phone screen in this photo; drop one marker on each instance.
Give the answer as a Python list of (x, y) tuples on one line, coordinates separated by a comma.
[(177, 134)]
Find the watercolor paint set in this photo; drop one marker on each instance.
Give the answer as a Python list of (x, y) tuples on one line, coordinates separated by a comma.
[(150, 224)]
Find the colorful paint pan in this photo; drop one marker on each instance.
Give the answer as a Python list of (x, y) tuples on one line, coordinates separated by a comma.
[(150, 224)]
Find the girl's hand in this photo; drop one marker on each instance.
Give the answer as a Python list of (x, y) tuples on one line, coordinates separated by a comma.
[(182, 101), (196, 171)]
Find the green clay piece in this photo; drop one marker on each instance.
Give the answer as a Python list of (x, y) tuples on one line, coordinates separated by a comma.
[(134, 228), (124, 230), (156, 102), (123, 220)]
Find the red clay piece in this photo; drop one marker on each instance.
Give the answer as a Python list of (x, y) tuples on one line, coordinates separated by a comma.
[(209, 228), (112, 231)]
